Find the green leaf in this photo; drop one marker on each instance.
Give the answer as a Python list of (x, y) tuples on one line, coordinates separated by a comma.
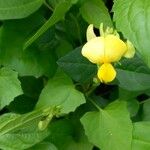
[(18, 132), (134, 64), (10, 86), (35, 61), (63, 48), (141, 132), (14, 9), (95, 12), (57, 15), (133, 107), (43, 146), (60, 91), (146, 110), (74, 64), (130, 97), (110, 128), (68, 135), (133, 81), (133, 20)]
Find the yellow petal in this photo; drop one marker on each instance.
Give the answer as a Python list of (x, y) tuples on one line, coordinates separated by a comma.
[(115, 48), (130, 50), (90, 32), (106, 73), (94, 50)]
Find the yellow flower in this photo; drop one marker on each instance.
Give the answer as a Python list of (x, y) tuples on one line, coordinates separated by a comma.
[(106, 49), (106, 73)]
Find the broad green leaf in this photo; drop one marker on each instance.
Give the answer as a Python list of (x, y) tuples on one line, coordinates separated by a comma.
[(16, 9), (35, 61), (141, 139), (74, 64), (109, 129), (134, 64), (133, 75), (43, 146), (60, 91), (133, 81), (57, 15), (133, 20), (18, 132), (68, 135), (95, 12), (146, 110), (10, 86)]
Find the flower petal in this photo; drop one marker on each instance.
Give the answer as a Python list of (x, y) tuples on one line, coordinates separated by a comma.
[(114, 48), (106, 73), (94, 50), (130, 50), (90, 33)]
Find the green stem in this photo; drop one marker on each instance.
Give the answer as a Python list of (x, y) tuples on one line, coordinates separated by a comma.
[(48, 6), (95, 104), (91, 90)]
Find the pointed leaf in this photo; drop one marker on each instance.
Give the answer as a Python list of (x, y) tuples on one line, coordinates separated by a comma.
[(95, 12), (133, 20), (74, 64), (60, 91), (10, 86), (110, 128)]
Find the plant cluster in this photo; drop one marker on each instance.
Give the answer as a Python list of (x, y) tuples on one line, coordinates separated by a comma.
[(66, 86)]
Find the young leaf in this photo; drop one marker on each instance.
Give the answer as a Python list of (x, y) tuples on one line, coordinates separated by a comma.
[(133, 20), (10, 86), (110, 128), (95, 12), (16, 9), (77, 67), (60, 91), (57, 15), (18, 132)]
